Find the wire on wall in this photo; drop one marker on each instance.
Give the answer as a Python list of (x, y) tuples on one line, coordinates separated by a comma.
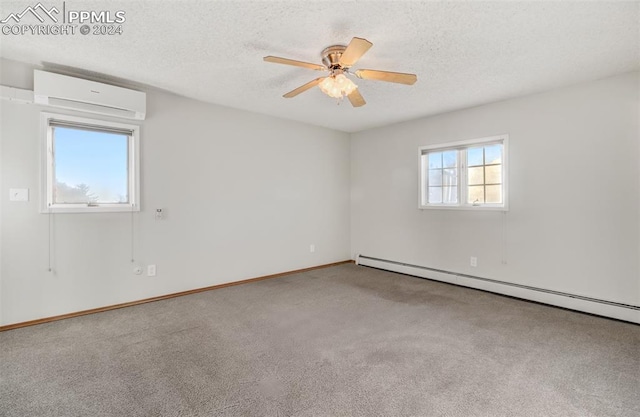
[(504, 237), (49, 220), (132, 235)]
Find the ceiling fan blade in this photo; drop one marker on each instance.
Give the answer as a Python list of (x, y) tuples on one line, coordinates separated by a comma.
[(303, 88), (356, 98), (278, 60), (392, 77), (357, 47)]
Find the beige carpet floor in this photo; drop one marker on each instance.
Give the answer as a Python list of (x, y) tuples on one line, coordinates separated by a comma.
[(340, 341)]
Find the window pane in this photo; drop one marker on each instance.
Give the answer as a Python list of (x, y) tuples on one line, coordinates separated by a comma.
[(493, 154), (90, 166), (450, 195), (494, 194), (476, 175), (493, 174), (476, 194), (450, 176), (435, 177), (435, 160), (435, 195), (450, 159), (474, 156)]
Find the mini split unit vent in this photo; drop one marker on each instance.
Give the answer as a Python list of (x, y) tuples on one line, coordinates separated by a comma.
[(65, 92)]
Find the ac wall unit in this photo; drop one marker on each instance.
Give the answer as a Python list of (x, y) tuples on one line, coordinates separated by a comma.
[(57, 90)]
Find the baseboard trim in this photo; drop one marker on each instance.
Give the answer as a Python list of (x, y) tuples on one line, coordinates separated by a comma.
[(162, 297), (605, 308)]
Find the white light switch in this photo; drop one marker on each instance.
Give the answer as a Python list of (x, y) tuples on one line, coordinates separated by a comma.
[(18, 194)]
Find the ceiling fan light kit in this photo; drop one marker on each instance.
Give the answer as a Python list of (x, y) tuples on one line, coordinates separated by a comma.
[(337, 86), (338, 60)]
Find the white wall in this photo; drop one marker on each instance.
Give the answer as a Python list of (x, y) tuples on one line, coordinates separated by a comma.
[(244, 196), (574, 184)]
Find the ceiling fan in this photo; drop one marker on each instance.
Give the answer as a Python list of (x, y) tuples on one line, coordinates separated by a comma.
[(338, 60)]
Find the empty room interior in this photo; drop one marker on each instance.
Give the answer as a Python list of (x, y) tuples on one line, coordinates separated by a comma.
[(319, 208)]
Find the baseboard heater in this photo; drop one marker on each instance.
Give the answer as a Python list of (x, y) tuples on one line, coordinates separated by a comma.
[(620, 311)]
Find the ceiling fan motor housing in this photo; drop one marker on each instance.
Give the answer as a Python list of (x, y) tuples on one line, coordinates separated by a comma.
[(331, 56)]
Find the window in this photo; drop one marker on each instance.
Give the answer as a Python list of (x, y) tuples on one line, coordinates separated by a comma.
[(90, 165), (469, 174)]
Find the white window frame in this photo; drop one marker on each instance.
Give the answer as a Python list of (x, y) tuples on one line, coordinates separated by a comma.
[(462, 174), (48, 160)]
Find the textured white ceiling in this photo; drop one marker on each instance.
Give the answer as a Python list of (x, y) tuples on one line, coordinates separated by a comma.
[(464, 53)]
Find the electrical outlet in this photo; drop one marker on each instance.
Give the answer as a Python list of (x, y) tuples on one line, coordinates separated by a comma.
[(473, 261), (137, 270), (159, 214), (312, 248), (151, 271)]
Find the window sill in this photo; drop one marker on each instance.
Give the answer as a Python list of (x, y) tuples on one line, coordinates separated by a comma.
[(468, 208), (91, 209)]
